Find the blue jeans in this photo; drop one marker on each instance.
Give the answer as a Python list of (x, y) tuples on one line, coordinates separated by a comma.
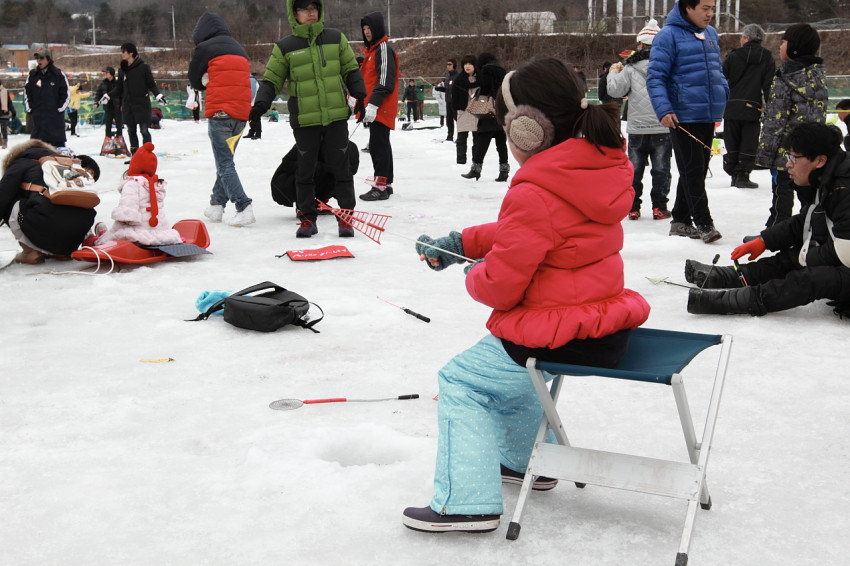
[(658, 148), (227, 185)]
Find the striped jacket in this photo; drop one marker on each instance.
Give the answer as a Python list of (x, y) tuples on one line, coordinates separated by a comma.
[(380, 71)]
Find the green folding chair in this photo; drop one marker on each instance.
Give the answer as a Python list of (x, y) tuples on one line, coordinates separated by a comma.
[(654, 356)]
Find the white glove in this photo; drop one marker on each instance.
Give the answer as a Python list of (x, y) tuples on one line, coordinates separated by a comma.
[(371, 114), (160, 99), (104, 101)]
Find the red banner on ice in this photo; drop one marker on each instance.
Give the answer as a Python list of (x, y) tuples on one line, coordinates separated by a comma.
[(328, 252)]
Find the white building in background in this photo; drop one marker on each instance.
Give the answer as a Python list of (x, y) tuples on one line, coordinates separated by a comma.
[(530, 22)]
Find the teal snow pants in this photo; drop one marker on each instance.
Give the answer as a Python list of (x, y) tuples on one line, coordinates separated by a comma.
[(488, 413)]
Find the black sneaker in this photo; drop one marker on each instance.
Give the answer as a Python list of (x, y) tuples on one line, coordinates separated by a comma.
[(541, 483), (427, 520), (708, 233), (375, 194)]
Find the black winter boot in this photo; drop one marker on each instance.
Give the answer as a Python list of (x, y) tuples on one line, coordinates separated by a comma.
[(744, 300), (474, 173), (504, 169), (719, 277), (742, 181)]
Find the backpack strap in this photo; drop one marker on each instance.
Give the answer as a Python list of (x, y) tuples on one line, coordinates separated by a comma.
[(252, 289), (309, 325)]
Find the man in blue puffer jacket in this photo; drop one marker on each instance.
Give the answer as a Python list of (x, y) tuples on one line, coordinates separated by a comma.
[(688, 93)]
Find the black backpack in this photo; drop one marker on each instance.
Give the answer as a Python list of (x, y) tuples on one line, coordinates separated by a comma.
[(265, 312)]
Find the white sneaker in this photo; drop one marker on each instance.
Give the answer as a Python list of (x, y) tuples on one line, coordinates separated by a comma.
[(243, 218), (214, 212)]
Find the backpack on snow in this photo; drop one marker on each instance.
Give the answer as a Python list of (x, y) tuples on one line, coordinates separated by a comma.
[(265, 312)]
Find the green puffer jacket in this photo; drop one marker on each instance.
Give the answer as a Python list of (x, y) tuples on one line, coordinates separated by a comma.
[(321, 69)]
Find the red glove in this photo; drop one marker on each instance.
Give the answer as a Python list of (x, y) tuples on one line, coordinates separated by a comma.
[(754, 247)]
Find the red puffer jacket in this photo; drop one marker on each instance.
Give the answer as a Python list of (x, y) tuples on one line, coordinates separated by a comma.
[(552, 269), (225, 63)]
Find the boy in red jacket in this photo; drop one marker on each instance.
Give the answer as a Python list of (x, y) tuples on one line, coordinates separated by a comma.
[(380, 69)]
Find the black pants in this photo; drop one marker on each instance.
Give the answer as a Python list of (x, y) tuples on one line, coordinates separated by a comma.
[(782, 202), (333, 140), (381, 151), (481, 143), (73, 119), (412, 106), (451, 115), (782, 284), (109, 114), (143, 125), (742, 140), (692, 157)]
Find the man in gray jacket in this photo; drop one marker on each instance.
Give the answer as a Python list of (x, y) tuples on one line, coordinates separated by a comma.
[(648, 139)]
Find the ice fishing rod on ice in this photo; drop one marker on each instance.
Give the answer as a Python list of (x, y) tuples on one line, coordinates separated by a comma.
[(408, 311), (289, 404)]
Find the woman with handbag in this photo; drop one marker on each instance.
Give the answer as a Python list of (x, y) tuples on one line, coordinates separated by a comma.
[(490, 75), (466, 122), (43, 229)]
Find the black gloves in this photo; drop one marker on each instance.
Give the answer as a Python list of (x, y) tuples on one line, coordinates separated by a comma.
[(359, 110), (260, 107)]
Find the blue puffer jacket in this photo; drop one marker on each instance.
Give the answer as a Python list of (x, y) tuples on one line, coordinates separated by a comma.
[(685, 72)]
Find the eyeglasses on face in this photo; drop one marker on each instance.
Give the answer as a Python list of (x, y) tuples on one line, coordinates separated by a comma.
[(793, 158)]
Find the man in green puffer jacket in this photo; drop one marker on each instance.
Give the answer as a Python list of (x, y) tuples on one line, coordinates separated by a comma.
[(322, 73)]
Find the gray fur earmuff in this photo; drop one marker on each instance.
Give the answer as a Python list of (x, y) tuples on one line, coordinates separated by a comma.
[(528, 129)]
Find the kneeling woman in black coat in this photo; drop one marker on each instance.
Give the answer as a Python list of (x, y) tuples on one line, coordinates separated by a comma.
[(41, 227)]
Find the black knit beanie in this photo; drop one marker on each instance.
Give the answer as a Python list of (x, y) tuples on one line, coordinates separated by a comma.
[(802, 39), (301, 4)]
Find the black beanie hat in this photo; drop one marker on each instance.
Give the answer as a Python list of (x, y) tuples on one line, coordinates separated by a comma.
[(802, 39), (301, 4)]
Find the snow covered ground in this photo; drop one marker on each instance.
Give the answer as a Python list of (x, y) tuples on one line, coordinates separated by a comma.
[(106, 459)]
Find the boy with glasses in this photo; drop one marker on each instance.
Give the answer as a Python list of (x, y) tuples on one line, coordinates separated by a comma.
[(813, 259)]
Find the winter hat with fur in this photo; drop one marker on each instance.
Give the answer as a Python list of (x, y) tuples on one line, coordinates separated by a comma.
[(802, 39), (647, 34), (144, 164)]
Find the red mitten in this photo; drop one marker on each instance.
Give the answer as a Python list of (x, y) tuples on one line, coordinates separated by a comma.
[(754, 247)]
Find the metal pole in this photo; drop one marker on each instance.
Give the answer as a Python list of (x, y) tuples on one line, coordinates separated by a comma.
[(173, 29), (389, 20), (432, 18), (93, 31)]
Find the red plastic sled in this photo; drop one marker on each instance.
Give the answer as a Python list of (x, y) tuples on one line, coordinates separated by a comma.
[(122, 251)]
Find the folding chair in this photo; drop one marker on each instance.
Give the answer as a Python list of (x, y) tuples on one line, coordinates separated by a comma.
[(654, 356)]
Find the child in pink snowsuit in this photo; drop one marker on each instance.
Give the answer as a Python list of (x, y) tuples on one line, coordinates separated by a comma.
[(138, 216)]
